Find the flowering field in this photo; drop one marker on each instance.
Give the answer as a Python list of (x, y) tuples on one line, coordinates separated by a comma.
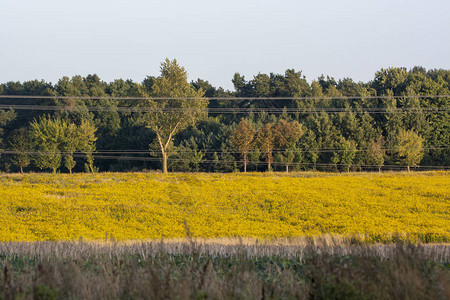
[(131, 206)]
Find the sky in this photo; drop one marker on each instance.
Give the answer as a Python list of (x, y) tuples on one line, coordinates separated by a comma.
[(213, 39)]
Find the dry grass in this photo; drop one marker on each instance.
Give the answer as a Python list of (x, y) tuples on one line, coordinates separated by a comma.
[(224, 269)]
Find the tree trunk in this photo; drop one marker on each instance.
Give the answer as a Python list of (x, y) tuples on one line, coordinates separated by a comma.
[(70, 171), (408, 168), (287, 168), (379, 169), (54, 170), (21, 170), (245, 163), (348, 169), (269, 160), (90, 160), (164, 158)]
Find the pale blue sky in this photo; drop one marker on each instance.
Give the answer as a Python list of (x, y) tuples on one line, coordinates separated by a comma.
[(48, 39)]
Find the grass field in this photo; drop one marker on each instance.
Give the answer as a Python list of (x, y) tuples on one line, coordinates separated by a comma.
[(139, 206), (190, 270)]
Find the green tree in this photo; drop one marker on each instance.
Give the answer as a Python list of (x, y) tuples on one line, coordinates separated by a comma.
[(20, 143), (335, 159), (205, 86), (311, 145), (364, 136), (392, 122), (409, 148), (5, 117), (255, 156), (187, 156), (265, 140), (241, 86), (348, 152), (391, 79), (48, 135), (69, 145), (215, 161), (172, 112), (86, 142), (261, 85), (54, 136), (376, 152), (48, 157), (287, 135)]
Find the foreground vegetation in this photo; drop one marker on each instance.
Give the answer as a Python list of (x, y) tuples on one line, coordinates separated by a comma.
[(299, 269), (137, 206)]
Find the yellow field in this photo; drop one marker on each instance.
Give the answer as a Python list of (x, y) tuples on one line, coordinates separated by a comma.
[(148, 205)]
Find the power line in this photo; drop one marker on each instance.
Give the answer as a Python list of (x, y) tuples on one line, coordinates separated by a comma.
[(277, 150), (227, 110), (221, 98), (253, 163), (258, 163), (207, 151), (223, 161)]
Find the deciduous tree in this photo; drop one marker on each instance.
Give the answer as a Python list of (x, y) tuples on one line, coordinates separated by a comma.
[(5, 117), (409, 148), (242, 139), (54, 136), (86, 142), (48, 136), (20, 143), (178, 106), (287, 135), (265, 140), (348, 152), (376, 153)]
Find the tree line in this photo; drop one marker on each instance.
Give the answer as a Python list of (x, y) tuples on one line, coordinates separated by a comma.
[(168, 123)]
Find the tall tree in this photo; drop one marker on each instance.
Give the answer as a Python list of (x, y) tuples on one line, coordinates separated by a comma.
[(69, 145), (348, 152), (178, 106), (376, 153), (287, 135), (20, 142), (265, 140), (5, 117), (409, 147), (335, 159), (255, 156), (261, 85), (54, 137), (243, 139), (86, 142), (48, 135)]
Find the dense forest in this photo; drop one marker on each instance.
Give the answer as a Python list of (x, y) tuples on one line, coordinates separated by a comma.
[(280, 122)]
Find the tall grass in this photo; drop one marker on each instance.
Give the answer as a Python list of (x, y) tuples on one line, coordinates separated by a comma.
[(224, 269)]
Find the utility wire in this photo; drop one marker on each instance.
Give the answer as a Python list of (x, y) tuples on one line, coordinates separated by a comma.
[(207, 151), (221, 161), (227, 110), (250, 163), (221, 98)]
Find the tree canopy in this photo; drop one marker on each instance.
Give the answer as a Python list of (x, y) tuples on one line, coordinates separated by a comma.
[(398, 119)]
